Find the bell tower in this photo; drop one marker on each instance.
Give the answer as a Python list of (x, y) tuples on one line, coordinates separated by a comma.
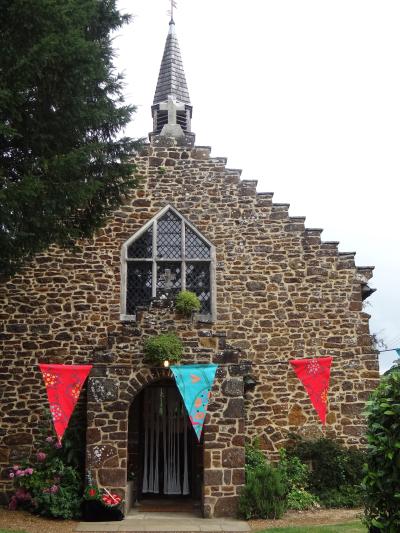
[(171, 109)]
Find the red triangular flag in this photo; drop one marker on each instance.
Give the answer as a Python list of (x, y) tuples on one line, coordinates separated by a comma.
[(315, 374), (63, 384)]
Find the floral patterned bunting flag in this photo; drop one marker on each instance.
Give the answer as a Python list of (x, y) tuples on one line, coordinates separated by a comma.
[(195, 383), (63, 384), (314, 375)]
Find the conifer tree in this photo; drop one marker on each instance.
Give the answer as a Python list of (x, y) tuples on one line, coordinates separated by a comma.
[(63, 167)]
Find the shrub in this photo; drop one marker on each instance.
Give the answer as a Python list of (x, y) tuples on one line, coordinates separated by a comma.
[(346, 496), (187, 302), (301, 499), (335, 471), (46, 485), (382, 489), (295, 474), (254, 457), (264, 495), (163, 347)]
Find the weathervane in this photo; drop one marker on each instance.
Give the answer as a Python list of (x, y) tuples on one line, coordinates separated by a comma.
[(171, 11)]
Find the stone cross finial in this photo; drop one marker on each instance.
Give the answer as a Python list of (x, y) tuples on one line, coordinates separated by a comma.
[(172, 108)]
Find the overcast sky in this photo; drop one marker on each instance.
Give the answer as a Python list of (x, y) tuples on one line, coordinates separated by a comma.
[(303, 95)]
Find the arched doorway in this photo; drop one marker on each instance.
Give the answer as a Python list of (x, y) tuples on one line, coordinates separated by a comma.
[(165, 459)]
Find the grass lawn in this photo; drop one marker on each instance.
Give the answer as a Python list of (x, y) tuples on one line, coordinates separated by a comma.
[(351, 527)]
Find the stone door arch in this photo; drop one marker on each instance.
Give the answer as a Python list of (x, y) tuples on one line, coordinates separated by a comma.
[(110, 395)]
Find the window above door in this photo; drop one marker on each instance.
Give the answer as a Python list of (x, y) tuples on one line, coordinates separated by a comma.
[(167, 255)]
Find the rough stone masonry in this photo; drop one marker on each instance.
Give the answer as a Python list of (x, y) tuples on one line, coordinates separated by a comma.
[(281, 293)]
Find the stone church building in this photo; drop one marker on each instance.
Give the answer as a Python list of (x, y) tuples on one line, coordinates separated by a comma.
[(270, 291)]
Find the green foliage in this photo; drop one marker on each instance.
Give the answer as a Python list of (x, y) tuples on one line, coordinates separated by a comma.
[(254, 457), (186, 302), (46, 485), (63, 167), (163, 347), (335, 471), (295, 474), (264, 495), (347, 496), (382, 479), (301, 500)]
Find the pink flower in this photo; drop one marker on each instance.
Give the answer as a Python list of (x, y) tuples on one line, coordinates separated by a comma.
[(16, 467), (58, 445), (20, 473), (41, 456), (49, 439), (29, 471), (54, 489), (11, 475)]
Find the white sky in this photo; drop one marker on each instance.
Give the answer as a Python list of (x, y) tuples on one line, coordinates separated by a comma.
[(303, 95)]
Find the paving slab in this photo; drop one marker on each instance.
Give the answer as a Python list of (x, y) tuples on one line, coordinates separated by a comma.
[(168, 522)]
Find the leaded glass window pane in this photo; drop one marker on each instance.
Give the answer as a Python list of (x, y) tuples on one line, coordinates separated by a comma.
[(138, 289), (198, 281), (143, 246), (195, 247), (169, 278), (169, 236)]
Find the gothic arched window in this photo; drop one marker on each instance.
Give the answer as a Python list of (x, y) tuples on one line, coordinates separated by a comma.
[(164, 257)]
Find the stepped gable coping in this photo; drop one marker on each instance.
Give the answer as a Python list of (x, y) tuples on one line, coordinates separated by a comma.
[(235, 171), (279, 206), (365, 268), (347, 254), (265, 194), (297, 219)]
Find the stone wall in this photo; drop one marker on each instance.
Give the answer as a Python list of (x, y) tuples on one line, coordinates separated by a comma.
[(282, 293)]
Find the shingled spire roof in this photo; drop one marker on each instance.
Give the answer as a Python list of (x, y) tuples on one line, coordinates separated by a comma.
[(171, 79)]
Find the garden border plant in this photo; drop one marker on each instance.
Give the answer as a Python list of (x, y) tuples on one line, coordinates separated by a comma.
[(381, 483), (336, 473)]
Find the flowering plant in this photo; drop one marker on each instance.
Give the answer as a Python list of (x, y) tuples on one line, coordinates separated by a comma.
[(46, 484), (92, 493), (111, 500)]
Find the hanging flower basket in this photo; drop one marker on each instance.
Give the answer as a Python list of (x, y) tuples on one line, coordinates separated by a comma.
[(91, 493)]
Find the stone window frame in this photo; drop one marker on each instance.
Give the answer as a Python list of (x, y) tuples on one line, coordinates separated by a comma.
[(208, 317)]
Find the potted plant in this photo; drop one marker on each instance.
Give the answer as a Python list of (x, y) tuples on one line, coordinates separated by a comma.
[(187, 303), (163, 348), (101, 506)]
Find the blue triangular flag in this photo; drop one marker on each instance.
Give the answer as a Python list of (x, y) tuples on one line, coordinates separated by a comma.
[(398, 351), (195, 383)]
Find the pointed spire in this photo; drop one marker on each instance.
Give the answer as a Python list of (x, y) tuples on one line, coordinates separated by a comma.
[(171, 79)]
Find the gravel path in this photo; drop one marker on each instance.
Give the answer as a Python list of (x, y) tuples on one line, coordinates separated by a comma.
[(320, 517), (23, 521)]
